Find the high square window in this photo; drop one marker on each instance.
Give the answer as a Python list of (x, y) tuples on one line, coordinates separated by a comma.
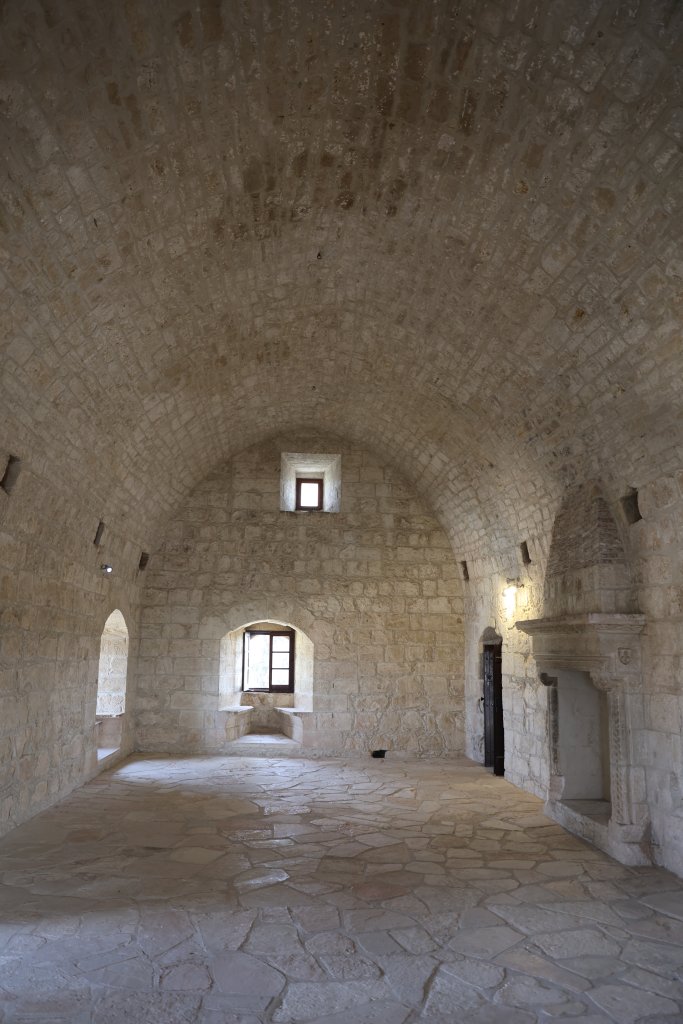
[(309, 494), (321, 471), (268, 660)]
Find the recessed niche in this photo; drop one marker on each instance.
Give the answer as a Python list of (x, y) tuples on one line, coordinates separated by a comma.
[(583, 738), (144, 559), (310, 467), (98, 534), (465, 571), (11, 474), (629, 504), (524, 551)]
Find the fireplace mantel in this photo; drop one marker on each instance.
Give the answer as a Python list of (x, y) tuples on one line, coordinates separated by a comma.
[(608, 648), (605, 645)]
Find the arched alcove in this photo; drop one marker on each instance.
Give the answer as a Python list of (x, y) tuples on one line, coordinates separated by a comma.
[(111, 684), (234, 687)]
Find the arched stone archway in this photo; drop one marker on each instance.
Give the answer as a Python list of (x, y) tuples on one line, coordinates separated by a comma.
[(112, 678), (374, 587), (231, 683)]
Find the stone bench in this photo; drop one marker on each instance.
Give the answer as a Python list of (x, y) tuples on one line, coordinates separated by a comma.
[(109, 731), (236, 720), (294, 722)]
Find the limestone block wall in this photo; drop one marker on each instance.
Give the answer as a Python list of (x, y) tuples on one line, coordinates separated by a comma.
[(375, 587), (651, 581), (54, 601), (524, 697), (586, 568), (657, 553)]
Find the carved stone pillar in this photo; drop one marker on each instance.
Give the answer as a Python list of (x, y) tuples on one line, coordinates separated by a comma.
[(556, 783)]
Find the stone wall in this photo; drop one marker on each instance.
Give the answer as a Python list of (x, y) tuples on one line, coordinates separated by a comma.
[(524, 697), (657, 552), (375, 587), (586, 568), (54, 601), (642, 571)]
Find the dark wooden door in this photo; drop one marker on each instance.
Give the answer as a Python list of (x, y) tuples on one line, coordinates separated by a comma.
[(494, 738)]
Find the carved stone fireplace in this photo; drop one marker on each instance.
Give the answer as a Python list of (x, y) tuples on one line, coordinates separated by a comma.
[(591, 665)]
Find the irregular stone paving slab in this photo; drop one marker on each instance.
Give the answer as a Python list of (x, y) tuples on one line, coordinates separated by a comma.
[(377, 1013), (627, 1005), (476, 972), (525, 992), (560, 945), (653, 955), (670, 903), (485, 942), (113, 1007), (487, 1015), (303, 1002), (207, 890), (533, 919), (538, 967), (450, 994)]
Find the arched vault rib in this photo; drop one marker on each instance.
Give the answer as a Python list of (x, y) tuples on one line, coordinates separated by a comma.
[(441, 222)]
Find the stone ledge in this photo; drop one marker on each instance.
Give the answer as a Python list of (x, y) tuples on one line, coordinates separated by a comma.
[(296, 722), (236, 720), (626, 843)]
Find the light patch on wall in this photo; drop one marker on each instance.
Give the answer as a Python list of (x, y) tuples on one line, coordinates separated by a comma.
[(510, 597)]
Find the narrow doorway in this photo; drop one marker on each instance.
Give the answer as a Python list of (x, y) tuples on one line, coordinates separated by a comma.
[(494, 736)]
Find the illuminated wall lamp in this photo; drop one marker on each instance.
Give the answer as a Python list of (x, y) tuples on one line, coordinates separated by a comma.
[(510, 595), (106, 569)]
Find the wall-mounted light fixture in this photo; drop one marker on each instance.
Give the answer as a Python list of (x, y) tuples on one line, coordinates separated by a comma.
[(106, 569), (510, 595)]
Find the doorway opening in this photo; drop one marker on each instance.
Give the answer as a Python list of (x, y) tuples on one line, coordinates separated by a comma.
[(492, 700)]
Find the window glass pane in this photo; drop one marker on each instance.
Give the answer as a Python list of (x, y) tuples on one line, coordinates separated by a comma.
[(258, 660), (280, 660), (309, 495), (280, 643), (280, 677)]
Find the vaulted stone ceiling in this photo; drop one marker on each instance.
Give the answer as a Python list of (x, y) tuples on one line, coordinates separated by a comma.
[(447, 230)]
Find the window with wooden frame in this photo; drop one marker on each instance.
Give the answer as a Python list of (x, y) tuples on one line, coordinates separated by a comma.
[(309, 494), (268, 660)]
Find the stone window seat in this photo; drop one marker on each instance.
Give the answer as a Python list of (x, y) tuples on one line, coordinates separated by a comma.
[(294, 722), (237, 720), (108, 734)]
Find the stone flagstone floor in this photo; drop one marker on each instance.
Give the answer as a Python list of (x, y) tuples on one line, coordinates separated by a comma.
[(211, 890)]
